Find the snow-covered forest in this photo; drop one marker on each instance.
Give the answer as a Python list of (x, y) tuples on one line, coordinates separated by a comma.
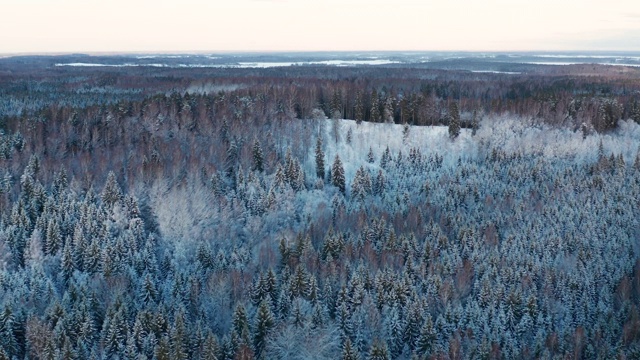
[(174, 228)]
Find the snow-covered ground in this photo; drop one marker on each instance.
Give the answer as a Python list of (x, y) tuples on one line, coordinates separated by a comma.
[(239, 65), (428, 139), (509, 135)]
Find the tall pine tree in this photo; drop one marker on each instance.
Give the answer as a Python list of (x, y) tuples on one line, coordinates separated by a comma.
[(319, 159), (454, 120), (337, 174)]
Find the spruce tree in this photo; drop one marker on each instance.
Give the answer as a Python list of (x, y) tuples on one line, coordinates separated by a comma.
[(426, 341), (475, 123), (349, 352), (263, 324), (337, 174), (406, 129), (66, 263), (359, 108), (336, 105), (379, 184), (8, 340), (148, 294), (379, 351), (240, 323), (370, 157), (210, 347), (387, 116), (162, 350), (111, 192), (375, 107), (454, 120), (53, 240), (319, 159), (179, 339), (258, 157), (230, 160)]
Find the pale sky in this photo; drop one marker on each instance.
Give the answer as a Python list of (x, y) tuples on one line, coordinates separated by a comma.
[(305, 25)]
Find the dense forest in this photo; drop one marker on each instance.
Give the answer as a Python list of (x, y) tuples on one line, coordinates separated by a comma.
[(235, 214)]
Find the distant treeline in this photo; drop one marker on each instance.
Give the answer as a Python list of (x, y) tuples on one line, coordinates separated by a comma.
[(413, 96)]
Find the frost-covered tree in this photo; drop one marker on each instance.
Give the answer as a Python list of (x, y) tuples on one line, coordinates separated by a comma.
[(387, 115), (370, 157), (359, 108), (475, 123), (337, 174), (319, 159), (375, 115), (379, 351), (258, 157), (361, 185), (111, 192), (454, 120), (349, 352), (263, 324)]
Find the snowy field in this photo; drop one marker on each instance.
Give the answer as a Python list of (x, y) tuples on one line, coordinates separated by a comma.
[(510, 135)]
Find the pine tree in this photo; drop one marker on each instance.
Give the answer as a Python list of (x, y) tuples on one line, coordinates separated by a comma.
[(361, 185), (280, 179), (240, 324), (413, 323), (8, 340), (148, 294), (395, 332), (319, 159), (454, 120), (337, 174), (635, 111), (53, 239), (474, 123), (131, 350), (379, 351), (231, 160), (386, 158), (375, 107), (162, 351), (66, 263), (406, 129), (349, 352), (427, 339), (379, 184), (92, 257), (297, 317), (210, 347), (336, 105), (318, 316), (263, 324), (359, 108), (343, 318), (79, 246), (258, 157), (111, 192), (388, 111), (179, 339), (299, 283), (370, 157)]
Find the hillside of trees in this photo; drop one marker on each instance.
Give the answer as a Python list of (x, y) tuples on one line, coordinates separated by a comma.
[(235, 214)]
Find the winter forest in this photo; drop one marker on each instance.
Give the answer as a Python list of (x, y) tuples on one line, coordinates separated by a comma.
[(318, 212)]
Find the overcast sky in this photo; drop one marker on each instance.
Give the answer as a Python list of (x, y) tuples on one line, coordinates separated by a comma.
[(280, 25)]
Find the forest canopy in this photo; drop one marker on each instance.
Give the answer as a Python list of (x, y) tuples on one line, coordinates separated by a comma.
[(318, 212)]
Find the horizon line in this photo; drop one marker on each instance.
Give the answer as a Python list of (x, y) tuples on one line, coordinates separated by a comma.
[(210, 52)]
